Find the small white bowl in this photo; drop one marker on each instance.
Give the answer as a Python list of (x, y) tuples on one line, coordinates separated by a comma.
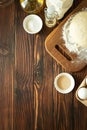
[(32, 24), (64, 83)]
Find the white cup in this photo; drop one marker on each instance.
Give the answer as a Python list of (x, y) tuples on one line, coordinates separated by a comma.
[(64, 83)]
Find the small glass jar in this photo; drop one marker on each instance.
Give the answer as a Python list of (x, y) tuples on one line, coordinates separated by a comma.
[(50, 16)]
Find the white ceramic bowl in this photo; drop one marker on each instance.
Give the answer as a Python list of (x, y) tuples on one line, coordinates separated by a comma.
[(32, 24), (66, 80)]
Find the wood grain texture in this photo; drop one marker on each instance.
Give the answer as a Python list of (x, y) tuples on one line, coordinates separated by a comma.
[(28, 99), (6, 67)]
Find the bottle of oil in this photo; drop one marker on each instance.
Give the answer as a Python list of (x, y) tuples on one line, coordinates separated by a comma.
[(32, 6)]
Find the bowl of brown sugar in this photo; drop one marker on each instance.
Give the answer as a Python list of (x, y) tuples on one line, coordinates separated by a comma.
[(64, 83)]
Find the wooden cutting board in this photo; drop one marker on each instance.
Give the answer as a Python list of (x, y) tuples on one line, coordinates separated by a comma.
[(54, 45)]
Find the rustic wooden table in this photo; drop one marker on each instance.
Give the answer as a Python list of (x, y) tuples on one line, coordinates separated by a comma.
[(28, 99)]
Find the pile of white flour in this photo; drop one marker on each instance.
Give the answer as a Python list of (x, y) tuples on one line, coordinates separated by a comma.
[(75, 34)]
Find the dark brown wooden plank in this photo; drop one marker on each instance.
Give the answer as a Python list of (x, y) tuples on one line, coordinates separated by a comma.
[(37, 105), (6, 67), (24, 88)]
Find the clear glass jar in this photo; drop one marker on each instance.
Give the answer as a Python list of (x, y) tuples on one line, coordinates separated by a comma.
[(32, 6), (4, 3), (50, 16)]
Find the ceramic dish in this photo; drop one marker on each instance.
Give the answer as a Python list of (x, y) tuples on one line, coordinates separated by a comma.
[(64, 83), (32, 24)]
